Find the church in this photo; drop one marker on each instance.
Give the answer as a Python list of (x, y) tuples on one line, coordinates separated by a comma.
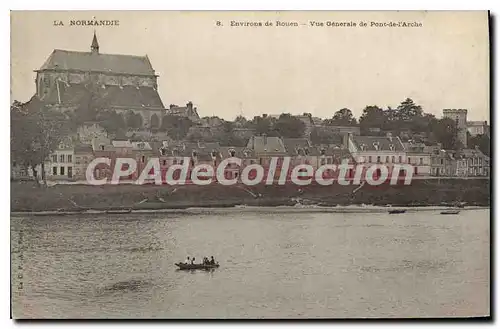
[(121, 83)]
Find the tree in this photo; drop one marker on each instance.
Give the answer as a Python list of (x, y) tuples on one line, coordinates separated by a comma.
[(35, 133), (408, 110), (322, 136), (445, 131), (177, 127), (241, 121), (226, 136), (289, 126), (372, 117), (89, 105), (342, 117), (483, 142), (112, 122), (133, 120)]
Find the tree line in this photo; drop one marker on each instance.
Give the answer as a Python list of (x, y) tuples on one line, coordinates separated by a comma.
[(37, 130)]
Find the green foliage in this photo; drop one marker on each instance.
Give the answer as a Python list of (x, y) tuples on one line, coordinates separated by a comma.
[(289, 126), (342, 117), (112, 122), (320, 136), (483, 142), (444, 131), (133, 120), (35, 132), (177, 127)]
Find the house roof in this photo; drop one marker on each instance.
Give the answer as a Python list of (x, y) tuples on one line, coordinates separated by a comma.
[(121, 143), (299, 146), (97, 62), (378, 143), (239, 152), (107, 96), (261, 144), (470, 153), (83, 148)]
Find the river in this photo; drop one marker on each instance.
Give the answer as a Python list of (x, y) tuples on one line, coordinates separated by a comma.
[(274, 264)]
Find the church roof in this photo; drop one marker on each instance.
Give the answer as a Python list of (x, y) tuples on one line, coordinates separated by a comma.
[(97, 62), (107, 97)]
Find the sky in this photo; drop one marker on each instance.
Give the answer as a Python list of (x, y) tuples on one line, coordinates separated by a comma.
[(228, 71)]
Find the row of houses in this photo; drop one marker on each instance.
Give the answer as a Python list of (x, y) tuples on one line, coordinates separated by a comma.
[(71, 159)]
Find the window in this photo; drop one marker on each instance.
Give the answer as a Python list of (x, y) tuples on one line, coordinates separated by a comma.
[(70, 158), (442, 161), (409, 160), (77, 160), (54, 158), (370, 159), (378, 159), (61, 158), (102, 147), (61, 172), (387, 159), (174, 161), (329, 160), (143, 159), (164, 162), (70, 172), (323, 161), (54, 171), (421, 161), (393, 159), (181, 162), (400, 159)]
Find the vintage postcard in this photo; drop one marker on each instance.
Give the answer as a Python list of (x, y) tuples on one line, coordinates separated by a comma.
[(250, 165)]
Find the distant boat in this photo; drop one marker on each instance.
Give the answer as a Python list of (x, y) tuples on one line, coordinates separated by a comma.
[(450, 212), (119, 211), (183, 266), (397, 211)]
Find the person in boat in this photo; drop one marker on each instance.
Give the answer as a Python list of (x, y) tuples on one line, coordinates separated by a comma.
[(187, 260), (212, 261), (192, 260)]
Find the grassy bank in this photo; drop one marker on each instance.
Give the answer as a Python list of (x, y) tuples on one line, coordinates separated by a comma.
[(26, 196)]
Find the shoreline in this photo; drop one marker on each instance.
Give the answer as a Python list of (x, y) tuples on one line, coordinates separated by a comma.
[(28, 198), (353, 209)]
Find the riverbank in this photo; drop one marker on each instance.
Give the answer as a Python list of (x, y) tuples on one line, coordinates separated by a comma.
[(27, 197)]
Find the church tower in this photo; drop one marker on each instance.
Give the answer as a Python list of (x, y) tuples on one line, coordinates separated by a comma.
[(94, 48)]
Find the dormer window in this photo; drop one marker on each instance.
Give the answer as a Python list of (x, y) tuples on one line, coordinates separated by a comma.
[(375, 145), (391, 147), (362, 146), (306, 151), (194, 154), (323, 152), (102, 147), (163, 151), (214, 154), (232, 152)]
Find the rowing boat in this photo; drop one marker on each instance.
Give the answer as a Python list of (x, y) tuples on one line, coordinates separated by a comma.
[(450, 212), (183, 266), (397, 211), (119, 211)]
